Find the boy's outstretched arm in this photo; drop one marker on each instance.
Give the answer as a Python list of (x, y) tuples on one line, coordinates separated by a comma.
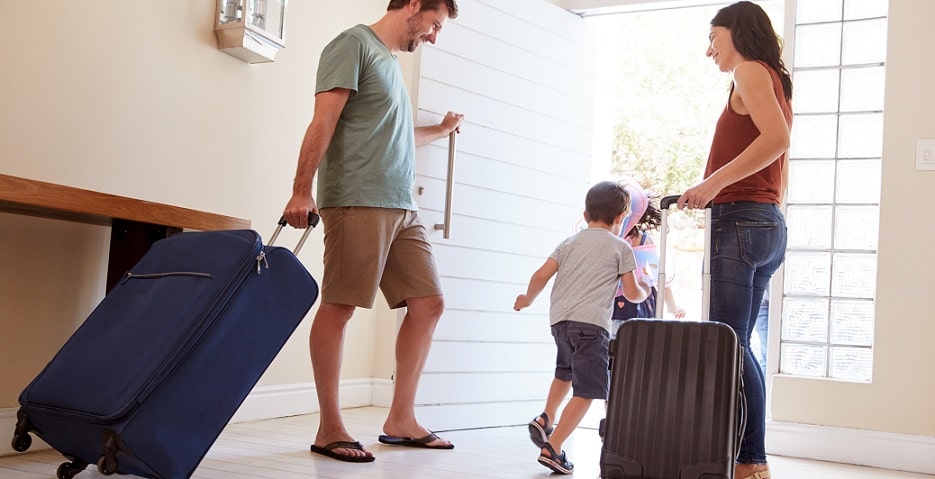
[(536, 284), (632, 290)]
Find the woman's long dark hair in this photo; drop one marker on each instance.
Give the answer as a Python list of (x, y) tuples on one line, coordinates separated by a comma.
[(754, 37)]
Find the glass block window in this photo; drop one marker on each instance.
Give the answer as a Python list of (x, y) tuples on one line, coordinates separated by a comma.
[(833, 202)]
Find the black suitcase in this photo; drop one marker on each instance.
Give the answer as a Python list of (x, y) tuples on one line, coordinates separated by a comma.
[(149, 380), (675, 409)]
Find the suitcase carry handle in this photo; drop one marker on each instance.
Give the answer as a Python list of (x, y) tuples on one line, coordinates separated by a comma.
[(667, 201), (312, 223), (664, 204)]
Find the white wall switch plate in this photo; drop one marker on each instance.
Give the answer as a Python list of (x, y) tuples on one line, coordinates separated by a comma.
[(925, 155)]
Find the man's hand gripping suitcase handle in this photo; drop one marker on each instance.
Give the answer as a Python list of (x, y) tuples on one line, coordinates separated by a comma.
[(312, 223)]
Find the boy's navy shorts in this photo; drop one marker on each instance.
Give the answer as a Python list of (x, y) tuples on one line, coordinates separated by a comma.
[(582, 358)]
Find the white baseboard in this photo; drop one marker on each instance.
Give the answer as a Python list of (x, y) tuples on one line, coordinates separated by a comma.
[(268, 402), (382, 392), (901, 452)]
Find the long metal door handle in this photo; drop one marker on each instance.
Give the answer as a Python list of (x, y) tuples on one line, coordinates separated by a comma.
[(446, 226)]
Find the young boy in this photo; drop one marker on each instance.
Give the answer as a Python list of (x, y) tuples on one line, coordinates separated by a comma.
[(587, 267)]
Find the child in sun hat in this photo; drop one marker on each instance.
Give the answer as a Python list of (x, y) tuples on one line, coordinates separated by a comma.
[(637, 230)]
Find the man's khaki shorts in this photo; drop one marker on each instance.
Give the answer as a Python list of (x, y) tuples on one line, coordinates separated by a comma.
[(370, 247)]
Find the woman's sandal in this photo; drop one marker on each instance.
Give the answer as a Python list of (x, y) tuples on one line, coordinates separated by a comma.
[(538, 433), (558, 463)]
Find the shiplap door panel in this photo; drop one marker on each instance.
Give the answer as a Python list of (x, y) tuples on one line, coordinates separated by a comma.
[(522, 72)]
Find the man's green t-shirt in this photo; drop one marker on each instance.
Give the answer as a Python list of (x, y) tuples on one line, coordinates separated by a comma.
[(371, 159)]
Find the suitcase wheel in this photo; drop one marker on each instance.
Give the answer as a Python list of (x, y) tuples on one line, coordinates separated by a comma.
[(21, 442), (68, 470), (106, 465), (21, 438)]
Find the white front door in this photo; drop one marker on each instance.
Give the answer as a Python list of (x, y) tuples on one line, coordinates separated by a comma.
[(522, 72)]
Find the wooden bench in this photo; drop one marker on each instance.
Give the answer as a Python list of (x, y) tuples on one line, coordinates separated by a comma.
[(135, 224)]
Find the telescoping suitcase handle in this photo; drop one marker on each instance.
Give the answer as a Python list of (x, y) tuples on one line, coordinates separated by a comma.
[(664, 204), (312, 223)]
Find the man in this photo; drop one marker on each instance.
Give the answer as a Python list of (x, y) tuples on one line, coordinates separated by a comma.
[(362, 143)]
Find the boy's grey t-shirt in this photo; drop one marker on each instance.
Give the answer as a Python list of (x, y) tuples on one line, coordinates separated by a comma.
[(371, 158), (589, 266)]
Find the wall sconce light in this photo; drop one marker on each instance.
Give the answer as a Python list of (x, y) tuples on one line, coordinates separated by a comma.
[(251, 30)]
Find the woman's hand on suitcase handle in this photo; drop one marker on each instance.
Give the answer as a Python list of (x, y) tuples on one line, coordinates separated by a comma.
[(698, 197)]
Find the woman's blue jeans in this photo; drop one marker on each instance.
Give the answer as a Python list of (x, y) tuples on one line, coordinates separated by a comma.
[(748, 244)]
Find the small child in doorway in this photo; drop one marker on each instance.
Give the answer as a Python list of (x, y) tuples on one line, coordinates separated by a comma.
[(644, 218), (587, 268)]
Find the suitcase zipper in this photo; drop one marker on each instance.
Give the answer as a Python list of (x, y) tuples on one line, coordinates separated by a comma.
[(128, 276), (261, 260)]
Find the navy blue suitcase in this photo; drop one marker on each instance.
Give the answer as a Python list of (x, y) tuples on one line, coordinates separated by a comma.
[(149, 380)]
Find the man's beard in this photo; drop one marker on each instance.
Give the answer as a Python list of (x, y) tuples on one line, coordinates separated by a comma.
[(412, 30)]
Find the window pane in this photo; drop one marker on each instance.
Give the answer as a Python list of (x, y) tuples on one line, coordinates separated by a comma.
[(808, 273), (813, 136), (856, 227), (809, 227), (805, 319), (817, 46), (816, 91), (858, 181), (861, 136), (852, 322), (833, 196), (857, 9), (818, 11), (864, 42), (855, 364), (802, 360), (862, 89), (855, 275), (809, 180)]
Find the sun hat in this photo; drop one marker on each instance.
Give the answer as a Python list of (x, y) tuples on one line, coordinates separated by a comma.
[(638, 202)]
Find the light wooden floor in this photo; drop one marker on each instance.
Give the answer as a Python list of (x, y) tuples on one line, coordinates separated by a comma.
[(278, 449)]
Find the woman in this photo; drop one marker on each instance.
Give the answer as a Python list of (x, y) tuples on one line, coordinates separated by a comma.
[(745, 177)]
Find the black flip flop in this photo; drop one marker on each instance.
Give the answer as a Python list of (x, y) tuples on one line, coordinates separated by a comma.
[(422, 442), (329, 451)]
